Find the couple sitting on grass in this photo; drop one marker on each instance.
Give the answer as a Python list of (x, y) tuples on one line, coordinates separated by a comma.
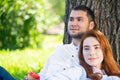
[(96, 61), (88, 57)]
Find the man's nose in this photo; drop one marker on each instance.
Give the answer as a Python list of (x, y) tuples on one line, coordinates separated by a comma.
[(75, 22)]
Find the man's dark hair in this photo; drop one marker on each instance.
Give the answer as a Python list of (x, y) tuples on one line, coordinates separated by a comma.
[(89, 12)]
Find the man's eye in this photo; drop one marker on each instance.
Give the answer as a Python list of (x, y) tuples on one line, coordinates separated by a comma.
[(70, 19), (79, 19)]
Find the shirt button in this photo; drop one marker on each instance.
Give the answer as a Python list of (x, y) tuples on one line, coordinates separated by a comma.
[(72, 55), (64, 68), (76, 48)]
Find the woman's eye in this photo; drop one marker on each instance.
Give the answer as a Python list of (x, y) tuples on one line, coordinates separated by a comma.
[(86, 48), (97, 47)]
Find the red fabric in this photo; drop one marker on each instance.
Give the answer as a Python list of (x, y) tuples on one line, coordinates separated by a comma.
[(34, 75)]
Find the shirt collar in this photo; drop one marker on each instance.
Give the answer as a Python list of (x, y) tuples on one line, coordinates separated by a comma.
[(98, 70), (76, 47)]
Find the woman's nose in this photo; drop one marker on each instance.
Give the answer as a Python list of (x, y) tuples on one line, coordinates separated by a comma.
[(92, 52)]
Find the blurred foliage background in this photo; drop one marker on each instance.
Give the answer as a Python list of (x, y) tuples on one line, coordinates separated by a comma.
[(25, 43), (22, 21)]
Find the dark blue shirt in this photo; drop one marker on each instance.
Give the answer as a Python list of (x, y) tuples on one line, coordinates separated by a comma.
[(5, 75)]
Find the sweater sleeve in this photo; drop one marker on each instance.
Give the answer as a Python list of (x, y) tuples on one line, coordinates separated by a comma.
[(5, 75)]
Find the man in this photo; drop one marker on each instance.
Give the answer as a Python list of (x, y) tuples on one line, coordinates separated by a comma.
[(65, 57)]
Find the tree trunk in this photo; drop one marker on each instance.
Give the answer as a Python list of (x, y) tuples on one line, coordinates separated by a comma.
[(107, 17)]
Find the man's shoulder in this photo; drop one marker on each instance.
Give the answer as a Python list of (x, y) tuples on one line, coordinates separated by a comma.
[(63, 45), (61, 50)]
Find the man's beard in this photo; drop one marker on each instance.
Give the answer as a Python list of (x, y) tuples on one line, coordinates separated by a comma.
[(77, 36)]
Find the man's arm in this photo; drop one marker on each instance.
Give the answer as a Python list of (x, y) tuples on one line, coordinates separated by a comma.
[(75, 73), (55, 63)]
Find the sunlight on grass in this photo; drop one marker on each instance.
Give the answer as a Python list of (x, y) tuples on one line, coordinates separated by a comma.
[(20, 62)]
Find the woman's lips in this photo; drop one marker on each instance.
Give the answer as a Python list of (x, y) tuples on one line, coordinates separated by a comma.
[(92, 58)]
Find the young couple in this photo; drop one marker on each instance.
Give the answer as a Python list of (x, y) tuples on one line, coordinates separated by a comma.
[(88, 57)]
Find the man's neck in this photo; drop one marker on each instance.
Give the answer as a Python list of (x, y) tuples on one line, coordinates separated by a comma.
[(76, 41)]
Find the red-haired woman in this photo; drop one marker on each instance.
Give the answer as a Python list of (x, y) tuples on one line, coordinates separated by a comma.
[(96, 57)]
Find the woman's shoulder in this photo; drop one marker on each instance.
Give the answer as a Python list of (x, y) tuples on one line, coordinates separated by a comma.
[(82, 73), (105, 77)]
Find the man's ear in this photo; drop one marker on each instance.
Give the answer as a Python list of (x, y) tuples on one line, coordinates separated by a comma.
[(91, 25)]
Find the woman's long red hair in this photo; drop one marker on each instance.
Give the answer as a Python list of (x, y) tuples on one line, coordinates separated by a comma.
[(109, 64)]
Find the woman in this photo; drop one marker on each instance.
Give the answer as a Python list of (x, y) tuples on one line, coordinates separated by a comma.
[(96, 57), (5, 75)]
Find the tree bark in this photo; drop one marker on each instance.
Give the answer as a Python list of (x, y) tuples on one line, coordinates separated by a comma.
[(107, 17)]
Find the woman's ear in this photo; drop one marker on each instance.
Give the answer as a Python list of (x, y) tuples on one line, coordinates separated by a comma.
[(91, 25)]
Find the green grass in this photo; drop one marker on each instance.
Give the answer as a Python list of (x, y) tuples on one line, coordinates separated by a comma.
[(20, 62)]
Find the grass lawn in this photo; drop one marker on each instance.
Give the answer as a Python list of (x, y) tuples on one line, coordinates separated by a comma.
[(20, 62)]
